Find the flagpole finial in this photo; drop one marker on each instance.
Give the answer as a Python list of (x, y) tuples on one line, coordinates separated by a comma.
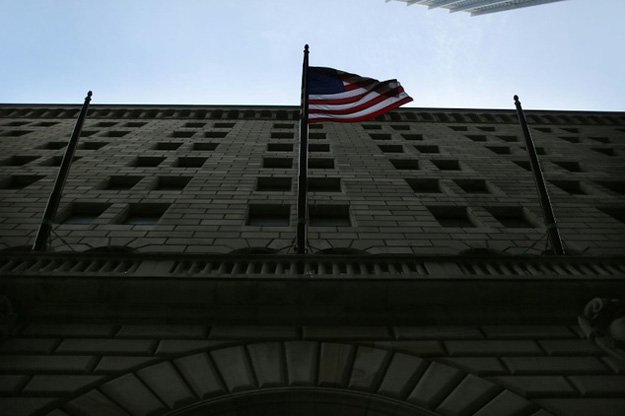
[(516, 98), (306, 48), (89, 94)]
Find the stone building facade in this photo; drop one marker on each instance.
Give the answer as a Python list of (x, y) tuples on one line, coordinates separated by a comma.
[(171, 285)]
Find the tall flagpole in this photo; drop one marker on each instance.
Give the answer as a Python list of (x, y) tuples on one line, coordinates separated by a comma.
[(302, 179), (550, 219), (43, 234)]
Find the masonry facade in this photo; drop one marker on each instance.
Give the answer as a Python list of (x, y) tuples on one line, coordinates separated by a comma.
[(171, 285)]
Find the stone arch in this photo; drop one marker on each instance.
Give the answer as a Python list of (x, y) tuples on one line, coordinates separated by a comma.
[(297, 377)]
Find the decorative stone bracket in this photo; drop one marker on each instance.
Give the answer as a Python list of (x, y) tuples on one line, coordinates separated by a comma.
[(603, 321)]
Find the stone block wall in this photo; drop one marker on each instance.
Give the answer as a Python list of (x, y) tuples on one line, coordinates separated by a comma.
[(149, 369)]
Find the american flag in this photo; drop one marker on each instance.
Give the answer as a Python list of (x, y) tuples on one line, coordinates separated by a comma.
[(335, 95)]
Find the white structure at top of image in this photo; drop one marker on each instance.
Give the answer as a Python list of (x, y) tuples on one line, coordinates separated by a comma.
[(478, 7)]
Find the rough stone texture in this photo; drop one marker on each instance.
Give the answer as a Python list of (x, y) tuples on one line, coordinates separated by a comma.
[(201, 375), (435, 384), (403, 372), (235, 368), (133, 395), (163, 379), (267, 363), (369, 367), (301, 360)]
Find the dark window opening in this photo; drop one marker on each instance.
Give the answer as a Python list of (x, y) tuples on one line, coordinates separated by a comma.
[(282, 135), (277, 162), (273, 184), (147, 161), (105, 124), (115, 133), (458, 128), (167, 145), (329, 216), (604, 150), (190, 162), (83, 213), (18, 160), (424, 185), (324, 184), (279, 147), (171, 183), (477, 137), (87, 133), (570, 166), (318, 147), (282, 126), (618, 213), (427, 149), (571, 187), (224, 125), (205, 146), (144, 214), (320, 163), (380, 136), (391, 148), (92, 145), (182, 134), (269, 215), (317, 136), (121, 182), (371, 126), (509, 139), (215, 134), (571, 139), (447, 164), (510, 217), (405, 164), (53, 145), (473, 186), (400, 127), (19, 181), (448, 216), (614, 186), (412, 136)]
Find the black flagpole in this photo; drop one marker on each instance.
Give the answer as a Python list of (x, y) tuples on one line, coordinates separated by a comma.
[(43, 234), (302, 179), (550, 219)]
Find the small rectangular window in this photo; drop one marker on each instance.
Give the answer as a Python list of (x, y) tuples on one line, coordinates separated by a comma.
[(281, 135), (614, 186), (279, 147), (273, 184), (135, 124), (278, 162), (215, 134), (447, 164), (329, 216), (380, 136), (204, 146), (18, 160), (477, 137), (499, 150), (400, 127), (53, 145), (320, 163), (317, 136), (473, 186), (510, 217), (171, 183), (569, 166), (451, 216), (183, 134), (571, 139), (83, 213), (372, 127), (19, 181), (224, 125), (56, 161), (571, 187), (509, 139), (324, 184), (87, 133), (190, 162), (92, 145), (486, 128), (427, 148), (167, 145), (282, 126), (618, 213), (105, 124), (147, 161), (524, 164), (144, 214), (405, 164), (458, 128), (269, 215), (120, 182), (604, 151), (391, 148), (318, 147), (424, 186), (115, 133), (412, 136)]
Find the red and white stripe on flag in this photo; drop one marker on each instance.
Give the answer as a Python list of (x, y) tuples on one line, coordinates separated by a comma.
[(342, 97)]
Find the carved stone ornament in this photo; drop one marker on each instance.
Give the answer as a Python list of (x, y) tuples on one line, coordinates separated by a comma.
[(8, 317), (603, 322)]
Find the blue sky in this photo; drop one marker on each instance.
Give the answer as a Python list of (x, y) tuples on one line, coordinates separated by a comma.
[(564, 55)]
